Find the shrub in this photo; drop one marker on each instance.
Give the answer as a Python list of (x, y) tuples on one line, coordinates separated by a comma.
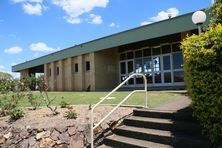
[(15, 114), (203, 67), (63, 104), (34, 100), (70, 114)]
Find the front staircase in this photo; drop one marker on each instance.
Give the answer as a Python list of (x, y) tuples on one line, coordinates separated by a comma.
[(157, 129)]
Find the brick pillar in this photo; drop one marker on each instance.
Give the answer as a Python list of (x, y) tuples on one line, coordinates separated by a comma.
[(69, 70)]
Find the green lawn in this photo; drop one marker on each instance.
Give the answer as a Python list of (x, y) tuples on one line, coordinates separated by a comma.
[(79, 98)]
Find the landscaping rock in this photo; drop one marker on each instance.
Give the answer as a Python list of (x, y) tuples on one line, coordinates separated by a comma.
[(2, 139), (32, 141), (24, 144), (64, 137), (55, 135), (72, 131), (8, 135), (47, 142), (76, 141), (61, 129), (24, 134), (43, 134)]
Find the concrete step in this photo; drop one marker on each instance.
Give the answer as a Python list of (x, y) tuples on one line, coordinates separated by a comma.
[(183, 115), (104, 146), (163, 124), (162, 136), (118, 141)]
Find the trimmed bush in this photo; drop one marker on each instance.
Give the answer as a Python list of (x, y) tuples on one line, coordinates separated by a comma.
[(203, 68)]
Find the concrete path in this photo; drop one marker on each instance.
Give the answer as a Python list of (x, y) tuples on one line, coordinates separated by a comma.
[(177, 104)]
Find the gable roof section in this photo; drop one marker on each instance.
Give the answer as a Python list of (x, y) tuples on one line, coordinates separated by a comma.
[(170, 26)]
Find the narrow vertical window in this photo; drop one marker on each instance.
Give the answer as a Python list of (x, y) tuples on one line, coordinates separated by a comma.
[(57, 70), (76, 67), (87, 66)]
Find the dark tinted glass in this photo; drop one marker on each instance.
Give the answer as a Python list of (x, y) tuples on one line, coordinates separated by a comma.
[(166, 49), (176, 47), (76, 67), (167, 77), (177, 60), (138, 54), (147, 52), (178, 76), (156, 51), (129, 55), (87, 65), (122, 56), (166, 63), (123, 68)]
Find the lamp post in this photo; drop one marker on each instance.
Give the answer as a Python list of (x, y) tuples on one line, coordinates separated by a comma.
[(198, 18)]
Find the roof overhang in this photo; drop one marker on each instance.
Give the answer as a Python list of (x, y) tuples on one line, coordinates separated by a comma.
[(163, 28)]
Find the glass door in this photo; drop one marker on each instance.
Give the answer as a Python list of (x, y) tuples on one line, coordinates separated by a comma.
[(156, 66), (130, 70), (167, 69)]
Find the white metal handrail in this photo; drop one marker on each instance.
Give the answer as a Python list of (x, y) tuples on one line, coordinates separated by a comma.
[(91, 112)]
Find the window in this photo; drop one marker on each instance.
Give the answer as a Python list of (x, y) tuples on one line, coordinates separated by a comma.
[(156, 51), (138, 54), (177, 60), (166, 49), (123, 67), (57, 70), (50, 71), (130, 55), (76, 67), (122, 56), (178, 76), (87, 66), (176, 47), (147, 52)]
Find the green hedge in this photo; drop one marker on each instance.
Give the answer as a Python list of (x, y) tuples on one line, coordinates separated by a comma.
[(203, 68)]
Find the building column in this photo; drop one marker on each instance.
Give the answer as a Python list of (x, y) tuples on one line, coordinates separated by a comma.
[(81, 72), (60, 77), (92, 71), (52, 83), (24, 73), (46, 74), (69, 70)]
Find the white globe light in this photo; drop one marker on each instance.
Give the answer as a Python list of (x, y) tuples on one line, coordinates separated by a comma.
[(199, 17)]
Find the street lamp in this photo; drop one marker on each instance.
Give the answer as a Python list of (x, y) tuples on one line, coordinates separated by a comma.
[(198, 18)]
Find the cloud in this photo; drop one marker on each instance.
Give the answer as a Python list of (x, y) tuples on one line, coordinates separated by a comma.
[(13, 50), (113, 25), (13, 64), (76, 8), (95, 19), (162, 15), (32, 9), (2, 67), (145, 23), (41, 47)]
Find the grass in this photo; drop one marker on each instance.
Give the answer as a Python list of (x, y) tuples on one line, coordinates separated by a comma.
[(81, 98)]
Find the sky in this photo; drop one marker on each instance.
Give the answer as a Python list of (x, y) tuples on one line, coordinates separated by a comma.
[(32, 28)]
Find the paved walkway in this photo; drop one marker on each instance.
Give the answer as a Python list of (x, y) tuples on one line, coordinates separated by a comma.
[(177, 104)]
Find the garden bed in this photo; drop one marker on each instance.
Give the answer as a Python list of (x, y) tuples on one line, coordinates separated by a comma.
[(39, 128)]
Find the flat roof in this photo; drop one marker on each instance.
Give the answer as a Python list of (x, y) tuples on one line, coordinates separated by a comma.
[(158, 29)]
